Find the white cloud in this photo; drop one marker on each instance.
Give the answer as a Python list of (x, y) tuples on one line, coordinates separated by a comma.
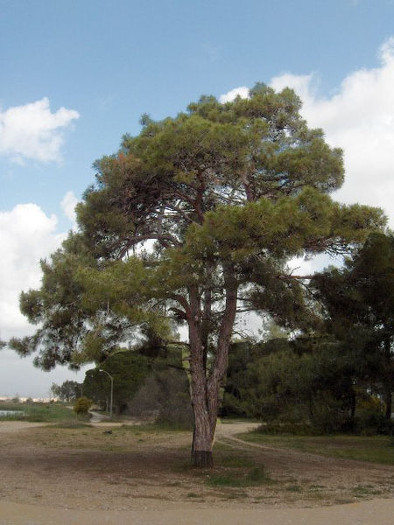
[(26, 236), (33, 132), (359, 118), (242, 92), (18, 376), (68, 206)]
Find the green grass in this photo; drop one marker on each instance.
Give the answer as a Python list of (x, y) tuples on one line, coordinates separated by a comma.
[(293, 488), (360, 491), (38, 412), (376, 449), (252, 477), (192, 495), (232, 470)]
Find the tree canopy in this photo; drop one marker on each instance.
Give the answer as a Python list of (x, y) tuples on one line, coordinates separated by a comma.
[(194, 220), (67, 391), (129, 370), (359, 301)]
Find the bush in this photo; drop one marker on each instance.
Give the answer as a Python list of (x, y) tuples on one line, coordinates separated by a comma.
[(370, 419), (372, 424), (279, 428), (82, 405), (329, 416)]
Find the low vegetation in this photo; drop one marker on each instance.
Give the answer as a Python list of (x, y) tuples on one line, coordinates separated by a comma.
[(376, 449), (37, 412), (82, 406), (239, 477)]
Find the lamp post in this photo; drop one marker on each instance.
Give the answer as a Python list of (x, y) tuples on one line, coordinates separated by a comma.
[(112, 391)]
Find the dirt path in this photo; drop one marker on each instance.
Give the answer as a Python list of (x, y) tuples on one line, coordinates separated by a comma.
[(376, 512), (90, 476), (7, 427)]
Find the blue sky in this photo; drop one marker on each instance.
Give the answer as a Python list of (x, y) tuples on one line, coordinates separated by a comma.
[(77, 75)]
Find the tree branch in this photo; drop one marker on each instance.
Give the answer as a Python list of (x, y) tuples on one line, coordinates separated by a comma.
[(295, 277)]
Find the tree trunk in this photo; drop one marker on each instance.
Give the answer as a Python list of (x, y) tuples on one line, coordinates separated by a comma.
[(388, 403), (353, 401), (389, 379), (204, 422), (205, 386), (201, 454), (204, 430)]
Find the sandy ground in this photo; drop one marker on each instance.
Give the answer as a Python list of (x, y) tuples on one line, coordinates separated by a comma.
[(377, 512), (42, 483)]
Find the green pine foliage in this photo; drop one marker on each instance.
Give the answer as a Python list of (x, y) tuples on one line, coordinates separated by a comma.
[(359, 301)]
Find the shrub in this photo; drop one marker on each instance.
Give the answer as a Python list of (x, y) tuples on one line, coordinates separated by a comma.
[(278, 428), (82, 405), (370, 418)]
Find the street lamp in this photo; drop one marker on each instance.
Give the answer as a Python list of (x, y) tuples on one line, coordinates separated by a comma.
[(112, 390)]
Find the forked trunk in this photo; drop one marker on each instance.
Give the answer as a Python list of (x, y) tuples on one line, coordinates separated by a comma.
[(204, 414), (205, 384)]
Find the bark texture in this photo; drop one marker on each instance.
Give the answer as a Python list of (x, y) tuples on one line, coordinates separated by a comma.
[(207, 380)]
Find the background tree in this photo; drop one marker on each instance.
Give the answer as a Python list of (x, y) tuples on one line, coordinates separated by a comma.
[(227, 193), (308, 384), (128, 368), (67, 391), (359, 300), (244, 357), (148, 382), (165, 398)]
